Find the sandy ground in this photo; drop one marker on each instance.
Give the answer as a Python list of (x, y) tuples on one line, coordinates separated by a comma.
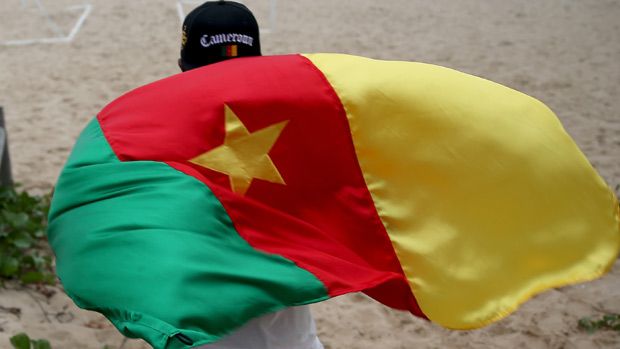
[(565, 53)]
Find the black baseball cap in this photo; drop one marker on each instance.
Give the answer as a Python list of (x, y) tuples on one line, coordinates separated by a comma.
[(216, 31)]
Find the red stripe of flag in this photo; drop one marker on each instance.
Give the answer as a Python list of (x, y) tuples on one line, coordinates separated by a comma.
[(324, 218)]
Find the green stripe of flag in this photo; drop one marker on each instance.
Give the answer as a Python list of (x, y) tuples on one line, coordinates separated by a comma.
[(155, 251)]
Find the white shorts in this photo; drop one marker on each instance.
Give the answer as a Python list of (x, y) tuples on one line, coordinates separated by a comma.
[(291, 328)]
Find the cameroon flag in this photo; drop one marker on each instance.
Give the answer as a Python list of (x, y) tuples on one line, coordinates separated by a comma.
[(195, 203)]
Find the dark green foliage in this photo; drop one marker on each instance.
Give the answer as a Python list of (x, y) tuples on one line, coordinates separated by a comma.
[(22, 341), (24, 255), (41, 344), (607, 322)]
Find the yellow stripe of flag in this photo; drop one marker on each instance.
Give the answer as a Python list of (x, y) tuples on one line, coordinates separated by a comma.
[(485, 197)]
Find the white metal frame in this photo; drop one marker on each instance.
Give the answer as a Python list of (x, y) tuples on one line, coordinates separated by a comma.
[(60, 36), (266, 30)]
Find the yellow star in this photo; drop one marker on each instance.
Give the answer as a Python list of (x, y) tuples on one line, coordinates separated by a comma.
[(244, 155)]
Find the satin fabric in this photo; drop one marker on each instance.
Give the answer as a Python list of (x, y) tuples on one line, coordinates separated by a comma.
[(485, 197), (421, 186)]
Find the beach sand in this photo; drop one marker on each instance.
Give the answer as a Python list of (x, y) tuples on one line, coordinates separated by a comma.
[(563, 53)]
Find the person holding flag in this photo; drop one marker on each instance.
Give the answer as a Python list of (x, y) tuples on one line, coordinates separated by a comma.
[(214, 32)]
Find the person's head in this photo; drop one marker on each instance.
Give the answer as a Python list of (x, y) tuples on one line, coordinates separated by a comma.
[(216, 31)]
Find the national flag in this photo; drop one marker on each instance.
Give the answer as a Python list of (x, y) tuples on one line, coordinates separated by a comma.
[(195, 203), (230, 51)]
